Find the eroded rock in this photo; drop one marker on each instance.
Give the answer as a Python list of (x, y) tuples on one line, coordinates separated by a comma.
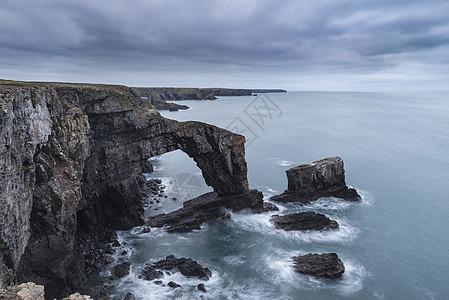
[(304, 221), (326, 265), (209, 207), (71, 165), (323, 178), (186, 266)]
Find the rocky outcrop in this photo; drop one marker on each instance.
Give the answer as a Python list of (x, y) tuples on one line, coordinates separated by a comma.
[(304, 221), (323, 178), (70, 166), (186, 266), (207, 208), (159, 96), (326, 265)]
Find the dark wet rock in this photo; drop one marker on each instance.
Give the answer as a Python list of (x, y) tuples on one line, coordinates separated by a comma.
[(201, 288), (323, 178), (121, 270), (304, 221), (326, 265), (158, 282), (186, 266), (150, 273), (173, 284), (129, 296), (116, 244), (268, 206), (209, 207), (124, 252)]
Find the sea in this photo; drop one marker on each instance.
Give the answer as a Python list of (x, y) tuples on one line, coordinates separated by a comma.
[(394, 243)]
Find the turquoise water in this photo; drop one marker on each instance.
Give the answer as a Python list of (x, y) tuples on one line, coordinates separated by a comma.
[(394, 243)]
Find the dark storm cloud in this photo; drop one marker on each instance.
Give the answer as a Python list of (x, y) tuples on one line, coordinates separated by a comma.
[(282, 37)]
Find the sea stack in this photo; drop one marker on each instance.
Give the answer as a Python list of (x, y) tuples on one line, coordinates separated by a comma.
[(323, 178)]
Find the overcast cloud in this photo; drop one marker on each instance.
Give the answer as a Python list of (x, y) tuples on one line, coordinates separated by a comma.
[(299, 45)]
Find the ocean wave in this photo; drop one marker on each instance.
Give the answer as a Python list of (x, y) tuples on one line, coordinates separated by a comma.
[(260, 223), (279, 267), (282, 162)]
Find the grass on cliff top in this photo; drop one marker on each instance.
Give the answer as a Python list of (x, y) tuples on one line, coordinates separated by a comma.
[(27, 83)]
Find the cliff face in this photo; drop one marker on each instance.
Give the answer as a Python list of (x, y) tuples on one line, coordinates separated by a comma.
[(70, 166)]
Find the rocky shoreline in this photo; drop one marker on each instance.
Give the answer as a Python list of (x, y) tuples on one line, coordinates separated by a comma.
[(158, 97), (72, 169)]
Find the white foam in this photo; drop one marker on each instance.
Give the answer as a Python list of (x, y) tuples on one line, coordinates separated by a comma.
[(260, 223), (329, 203), (234, 260), (281, 271), (367, 198), (148, 290)]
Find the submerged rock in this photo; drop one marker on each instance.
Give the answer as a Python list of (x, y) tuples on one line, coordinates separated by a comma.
[(323, 178), (186, 266), (207, 208), (326, 265), (304, 221)]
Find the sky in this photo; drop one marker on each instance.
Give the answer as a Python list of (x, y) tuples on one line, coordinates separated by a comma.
[(324, 45)]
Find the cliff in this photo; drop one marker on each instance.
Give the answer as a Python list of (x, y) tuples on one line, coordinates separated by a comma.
[(70, 167), (159, 96)]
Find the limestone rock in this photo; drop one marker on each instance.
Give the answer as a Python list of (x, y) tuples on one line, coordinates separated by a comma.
[(78, 296), (323, 178), (326, 265), (70, 169), (304, 221), (31, 291)]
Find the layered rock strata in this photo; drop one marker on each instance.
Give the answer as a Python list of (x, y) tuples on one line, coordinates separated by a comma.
[(323, 178), (70, 166)]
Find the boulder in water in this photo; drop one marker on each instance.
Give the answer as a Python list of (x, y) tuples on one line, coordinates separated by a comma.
[(326, 265), (304, 221)]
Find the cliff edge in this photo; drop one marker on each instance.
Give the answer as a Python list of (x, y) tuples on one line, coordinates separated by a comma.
[(71, 161)]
